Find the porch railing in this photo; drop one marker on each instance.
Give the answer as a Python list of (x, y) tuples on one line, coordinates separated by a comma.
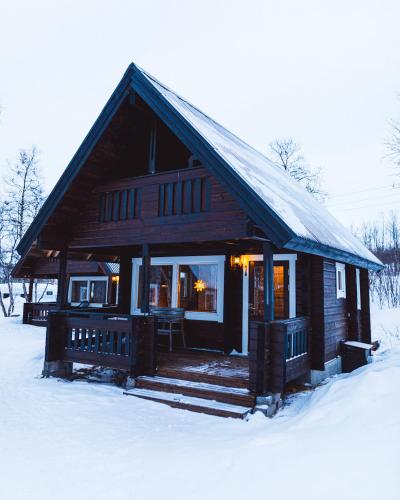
[(116, 341), (35, 313), (289, 351), (278, 353)]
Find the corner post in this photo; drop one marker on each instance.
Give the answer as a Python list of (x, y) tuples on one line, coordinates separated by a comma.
[(125, 284), (62, 291), (365, 307)]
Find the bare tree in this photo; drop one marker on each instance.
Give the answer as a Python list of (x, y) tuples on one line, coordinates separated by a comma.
[(286, 154), (393, 144), (23, 199)]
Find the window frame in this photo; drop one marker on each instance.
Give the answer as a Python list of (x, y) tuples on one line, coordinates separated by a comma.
[(341, 269), (358, 289), (88, 279), (175, 262)]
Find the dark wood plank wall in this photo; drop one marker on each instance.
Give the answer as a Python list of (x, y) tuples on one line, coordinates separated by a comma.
[(219, 218), (317, 301), (50, 267), (336, 324)]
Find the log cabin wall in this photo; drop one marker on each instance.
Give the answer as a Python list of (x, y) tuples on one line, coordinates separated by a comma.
[(181, 206), (335, 312), (50, 267)]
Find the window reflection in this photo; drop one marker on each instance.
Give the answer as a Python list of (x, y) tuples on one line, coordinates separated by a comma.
[(198, 287), (160, 286)]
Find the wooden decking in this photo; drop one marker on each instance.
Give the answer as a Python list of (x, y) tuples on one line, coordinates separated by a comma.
[(205, 366), (201, 381)]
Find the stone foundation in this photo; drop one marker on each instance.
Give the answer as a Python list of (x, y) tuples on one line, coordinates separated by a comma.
[(332, 367), (57, 369)]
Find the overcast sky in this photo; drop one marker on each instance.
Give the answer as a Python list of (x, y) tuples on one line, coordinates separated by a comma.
[(326, 73)]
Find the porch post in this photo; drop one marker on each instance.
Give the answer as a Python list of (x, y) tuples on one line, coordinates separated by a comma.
[(62, 290), (145, 291), (125, 284), (30, 290), (365, 308), (268, 282)]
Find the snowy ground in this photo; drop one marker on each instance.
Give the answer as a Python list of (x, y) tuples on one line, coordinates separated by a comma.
[(62, 440)]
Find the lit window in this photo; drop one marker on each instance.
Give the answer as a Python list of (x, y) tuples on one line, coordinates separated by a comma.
[(198, 287), (340, 280), (193, 283)]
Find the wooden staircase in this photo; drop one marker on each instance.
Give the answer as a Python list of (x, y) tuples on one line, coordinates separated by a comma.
[(198, 396)]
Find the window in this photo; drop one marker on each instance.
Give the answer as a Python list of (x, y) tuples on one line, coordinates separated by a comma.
[(198, 287), (194, 283), (358, 289), (340, 280), (88, 289), (160, 286)]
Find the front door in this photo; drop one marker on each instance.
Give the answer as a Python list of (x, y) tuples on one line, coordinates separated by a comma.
[(253, 293)]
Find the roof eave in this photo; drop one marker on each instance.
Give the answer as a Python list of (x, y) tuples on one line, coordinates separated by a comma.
[(315, 248)]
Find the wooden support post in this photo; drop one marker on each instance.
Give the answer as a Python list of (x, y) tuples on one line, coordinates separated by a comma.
[(365, 307), (30, 290), (125, 284), (145, 291), (268, 282), (351, 301), (62, 291)]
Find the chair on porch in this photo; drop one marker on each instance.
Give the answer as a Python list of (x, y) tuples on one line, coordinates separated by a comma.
[(170, 321)]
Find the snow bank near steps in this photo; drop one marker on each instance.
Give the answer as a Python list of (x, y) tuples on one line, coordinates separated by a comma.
[(87, 441)]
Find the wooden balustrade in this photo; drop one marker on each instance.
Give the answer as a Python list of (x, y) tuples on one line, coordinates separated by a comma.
[(289, 351), (35, 313), (116, 341), (278, 353)]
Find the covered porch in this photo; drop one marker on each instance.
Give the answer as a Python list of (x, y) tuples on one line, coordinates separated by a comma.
[(233, 339)]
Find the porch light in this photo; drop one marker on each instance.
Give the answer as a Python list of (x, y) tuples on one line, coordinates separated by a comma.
[(199, 286), (115, 279), (238, 261)]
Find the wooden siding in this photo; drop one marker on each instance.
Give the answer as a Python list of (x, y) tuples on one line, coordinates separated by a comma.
[(214, 214), (336, 328), (50, 267)]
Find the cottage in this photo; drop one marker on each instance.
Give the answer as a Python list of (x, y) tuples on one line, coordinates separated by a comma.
[(91, 284), (257, 282)]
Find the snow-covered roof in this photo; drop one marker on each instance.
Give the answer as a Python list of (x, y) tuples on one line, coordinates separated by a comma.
[(291, 202)]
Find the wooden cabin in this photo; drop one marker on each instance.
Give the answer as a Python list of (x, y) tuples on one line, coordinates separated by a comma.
[(91, 284), (270, 284)]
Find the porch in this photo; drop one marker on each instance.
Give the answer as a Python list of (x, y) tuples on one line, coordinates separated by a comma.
[(200, 380)]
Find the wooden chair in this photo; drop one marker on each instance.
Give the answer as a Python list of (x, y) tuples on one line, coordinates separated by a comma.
[(170, 321)]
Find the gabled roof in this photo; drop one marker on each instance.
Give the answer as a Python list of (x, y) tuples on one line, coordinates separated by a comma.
[(282, 208)]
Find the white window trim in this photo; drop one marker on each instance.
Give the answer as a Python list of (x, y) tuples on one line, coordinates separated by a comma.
[(292, 258), (87, 279), (358, 289), (340, 268), (219, 260)]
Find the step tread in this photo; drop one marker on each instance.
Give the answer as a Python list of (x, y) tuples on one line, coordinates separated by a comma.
[(189, 384), (188, 400)]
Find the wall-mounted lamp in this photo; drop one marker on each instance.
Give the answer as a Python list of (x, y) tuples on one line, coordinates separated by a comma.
[(238, 261), (115, 279)]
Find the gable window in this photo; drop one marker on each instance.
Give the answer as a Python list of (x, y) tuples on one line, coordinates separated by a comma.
[(92, 289), (340, 280), (193, 283), (358, 289)]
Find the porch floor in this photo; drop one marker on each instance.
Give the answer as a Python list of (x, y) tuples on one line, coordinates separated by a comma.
[(205, 366)]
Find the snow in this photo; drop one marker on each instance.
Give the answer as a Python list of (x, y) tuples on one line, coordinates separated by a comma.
[(287, 198), (79, 440), (362, 345)]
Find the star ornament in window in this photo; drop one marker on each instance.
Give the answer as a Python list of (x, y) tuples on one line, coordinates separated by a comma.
[(199, 286)]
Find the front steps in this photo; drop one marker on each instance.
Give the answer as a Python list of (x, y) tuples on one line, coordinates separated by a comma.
[(212, 399)]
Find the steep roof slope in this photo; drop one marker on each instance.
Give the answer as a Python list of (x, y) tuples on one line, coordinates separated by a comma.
[(286, 212), (307, 218)]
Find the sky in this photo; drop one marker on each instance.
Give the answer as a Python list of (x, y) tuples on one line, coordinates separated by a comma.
[(325, 73)]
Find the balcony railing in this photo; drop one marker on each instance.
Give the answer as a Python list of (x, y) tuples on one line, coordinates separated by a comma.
[(35, 313), (116, 341)]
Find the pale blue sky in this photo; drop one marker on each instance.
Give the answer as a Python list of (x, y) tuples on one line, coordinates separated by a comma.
[(326, 73)]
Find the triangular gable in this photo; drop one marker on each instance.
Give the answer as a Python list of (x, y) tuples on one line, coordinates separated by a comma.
[(281, 207)]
